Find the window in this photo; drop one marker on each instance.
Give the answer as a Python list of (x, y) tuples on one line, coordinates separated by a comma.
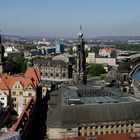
[(13, 99), (2, 98), (14, 93), (18, 86), (29, 94), (30, 87), (20, 93), (15, 86), (69, 129), (46, 74), (51, 74), (57, 75), (64, 75), (14, 105), (24, 101)]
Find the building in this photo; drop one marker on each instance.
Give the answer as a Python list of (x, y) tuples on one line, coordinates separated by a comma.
[(54, 70), (59, 49), (3, 99), (10, 136), (100, 60), (108, 52), (67, 58), (51, 50), (92, 111), (20, 88)]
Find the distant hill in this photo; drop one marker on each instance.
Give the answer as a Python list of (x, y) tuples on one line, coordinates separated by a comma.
[(114, 38), (118, 38)]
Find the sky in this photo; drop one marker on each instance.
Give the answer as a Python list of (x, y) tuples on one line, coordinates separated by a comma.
[(62, 18)]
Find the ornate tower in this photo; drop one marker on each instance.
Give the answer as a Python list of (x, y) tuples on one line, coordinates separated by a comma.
[(81, 60), (1, 56)]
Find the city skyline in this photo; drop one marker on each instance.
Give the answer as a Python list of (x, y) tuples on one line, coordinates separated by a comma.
[(53, 18)]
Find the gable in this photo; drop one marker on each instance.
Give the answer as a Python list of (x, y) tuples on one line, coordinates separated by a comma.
[(17, 85)]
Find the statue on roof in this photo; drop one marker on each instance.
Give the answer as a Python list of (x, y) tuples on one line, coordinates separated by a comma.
[(80, 34), (30, 60)]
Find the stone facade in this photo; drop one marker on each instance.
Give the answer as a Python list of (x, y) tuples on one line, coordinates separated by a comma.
[(90, 130), (53, 69)]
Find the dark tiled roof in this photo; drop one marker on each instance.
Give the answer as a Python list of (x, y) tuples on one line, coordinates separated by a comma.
[(48, 62)]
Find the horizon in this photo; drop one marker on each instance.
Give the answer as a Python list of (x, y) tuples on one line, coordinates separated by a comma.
[(62, 19)]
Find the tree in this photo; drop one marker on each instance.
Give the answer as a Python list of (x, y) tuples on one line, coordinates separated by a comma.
[(96, 70), (19, 64)]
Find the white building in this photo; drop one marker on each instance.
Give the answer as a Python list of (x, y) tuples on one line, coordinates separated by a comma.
[(100, 60), (3, 98)]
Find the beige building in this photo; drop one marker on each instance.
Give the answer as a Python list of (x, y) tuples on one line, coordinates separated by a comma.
[(67, 58), (100, 60), (54, 70), (20, 88)]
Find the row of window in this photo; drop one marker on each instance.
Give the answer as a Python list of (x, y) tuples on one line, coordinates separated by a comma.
[(111, 126), (56, 75), (18, 86), (107, 132), (20, 93), (29, 94), (51, 69)]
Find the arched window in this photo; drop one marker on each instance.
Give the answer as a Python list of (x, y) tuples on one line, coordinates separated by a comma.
[(57, 75), (64, 75), (51, 74)]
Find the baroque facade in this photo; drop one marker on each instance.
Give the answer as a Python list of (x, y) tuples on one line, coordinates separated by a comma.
[(53, 69)]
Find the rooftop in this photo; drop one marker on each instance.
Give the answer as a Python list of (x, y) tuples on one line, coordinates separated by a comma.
[(82, 105), (92, 95)]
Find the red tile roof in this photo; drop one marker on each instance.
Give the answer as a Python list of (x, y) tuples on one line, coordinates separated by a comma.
[(31, 77), (121, 136), (108, 49), (34, 73)]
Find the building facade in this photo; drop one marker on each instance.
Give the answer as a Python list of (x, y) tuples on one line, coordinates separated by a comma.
[(100, 60), (20, 88), (3, 99), (53, 69)]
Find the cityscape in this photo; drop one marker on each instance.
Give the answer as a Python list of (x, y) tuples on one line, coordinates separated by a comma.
[(70, 70)]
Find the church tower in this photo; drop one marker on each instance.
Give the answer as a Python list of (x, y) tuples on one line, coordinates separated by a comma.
[(81, 77), (1, 56)]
